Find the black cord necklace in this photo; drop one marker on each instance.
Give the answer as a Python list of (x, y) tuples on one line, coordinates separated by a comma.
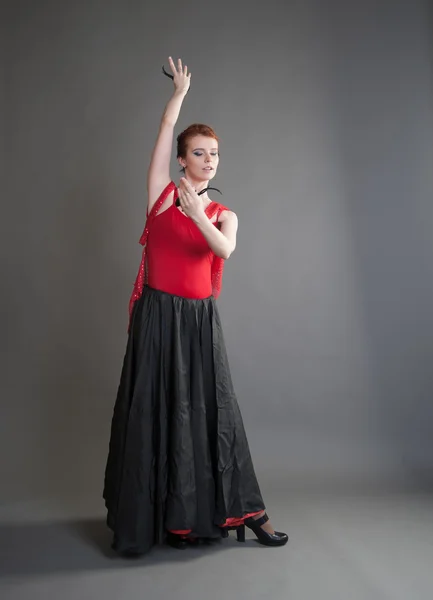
[(200, 193)]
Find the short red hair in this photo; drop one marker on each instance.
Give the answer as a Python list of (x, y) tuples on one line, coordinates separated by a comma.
[(191, 131)]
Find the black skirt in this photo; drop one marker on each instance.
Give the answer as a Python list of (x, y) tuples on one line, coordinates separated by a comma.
[(178, 455)]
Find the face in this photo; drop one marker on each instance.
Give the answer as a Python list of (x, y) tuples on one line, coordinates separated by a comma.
[(201, 159)]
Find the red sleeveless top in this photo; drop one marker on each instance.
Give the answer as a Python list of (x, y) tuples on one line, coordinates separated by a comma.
[(176, 256)]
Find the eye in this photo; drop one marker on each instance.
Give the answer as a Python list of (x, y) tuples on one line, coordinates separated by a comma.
[(214, 153), (197, 153)]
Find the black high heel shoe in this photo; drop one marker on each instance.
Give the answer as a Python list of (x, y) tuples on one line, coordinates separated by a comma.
[(267, 539), (240, 532)]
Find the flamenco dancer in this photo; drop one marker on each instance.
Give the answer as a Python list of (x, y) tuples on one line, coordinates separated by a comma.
[(179, 469)]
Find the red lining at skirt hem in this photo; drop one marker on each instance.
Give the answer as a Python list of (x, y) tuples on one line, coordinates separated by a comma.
[(231, 522)]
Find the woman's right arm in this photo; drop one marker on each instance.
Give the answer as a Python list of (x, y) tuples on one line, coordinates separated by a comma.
[(158, 175)]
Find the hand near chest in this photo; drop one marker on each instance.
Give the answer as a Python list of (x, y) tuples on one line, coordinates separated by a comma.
[(191, 203)]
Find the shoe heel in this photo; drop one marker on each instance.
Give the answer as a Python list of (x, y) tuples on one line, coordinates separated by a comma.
[(224, 532), (240, 533), (267, 539)]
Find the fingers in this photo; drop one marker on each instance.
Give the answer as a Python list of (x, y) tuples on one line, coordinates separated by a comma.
[(185, 194), (182, 197), (180, 69), (172, 67), (188, 186)]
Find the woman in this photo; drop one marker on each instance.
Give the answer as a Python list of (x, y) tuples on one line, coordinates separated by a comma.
[(179, 467)]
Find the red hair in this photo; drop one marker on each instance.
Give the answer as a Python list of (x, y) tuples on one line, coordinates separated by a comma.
[(191, 131)]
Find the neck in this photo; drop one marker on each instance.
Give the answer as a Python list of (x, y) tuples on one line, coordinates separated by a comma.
[(199, 185)]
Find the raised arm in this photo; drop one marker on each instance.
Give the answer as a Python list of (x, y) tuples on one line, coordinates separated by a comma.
[(158, 175)]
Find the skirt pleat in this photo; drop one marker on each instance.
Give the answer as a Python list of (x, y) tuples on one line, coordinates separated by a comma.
[(178, 455)]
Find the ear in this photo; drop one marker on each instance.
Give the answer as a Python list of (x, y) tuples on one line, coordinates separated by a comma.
[(182, 162)]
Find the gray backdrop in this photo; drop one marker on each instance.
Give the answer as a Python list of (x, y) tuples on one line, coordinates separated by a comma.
[(324, 110)]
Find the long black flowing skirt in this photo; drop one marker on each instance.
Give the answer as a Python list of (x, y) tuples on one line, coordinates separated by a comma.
[(178, 455)]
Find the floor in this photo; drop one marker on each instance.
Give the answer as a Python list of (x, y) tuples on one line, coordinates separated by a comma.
[(371, 546)]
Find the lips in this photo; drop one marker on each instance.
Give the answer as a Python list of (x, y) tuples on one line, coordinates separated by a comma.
[(208, 169)]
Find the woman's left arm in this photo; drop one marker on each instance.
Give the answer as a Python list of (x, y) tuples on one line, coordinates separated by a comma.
[(223, 242)]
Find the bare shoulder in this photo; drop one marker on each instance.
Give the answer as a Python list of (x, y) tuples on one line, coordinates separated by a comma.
[(228, 216)]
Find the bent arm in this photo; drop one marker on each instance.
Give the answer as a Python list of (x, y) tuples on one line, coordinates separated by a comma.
[(223, 242)]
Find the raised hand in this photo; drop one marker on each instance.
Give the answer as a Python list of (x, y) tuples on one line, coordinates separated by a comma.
[(181, 77)]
